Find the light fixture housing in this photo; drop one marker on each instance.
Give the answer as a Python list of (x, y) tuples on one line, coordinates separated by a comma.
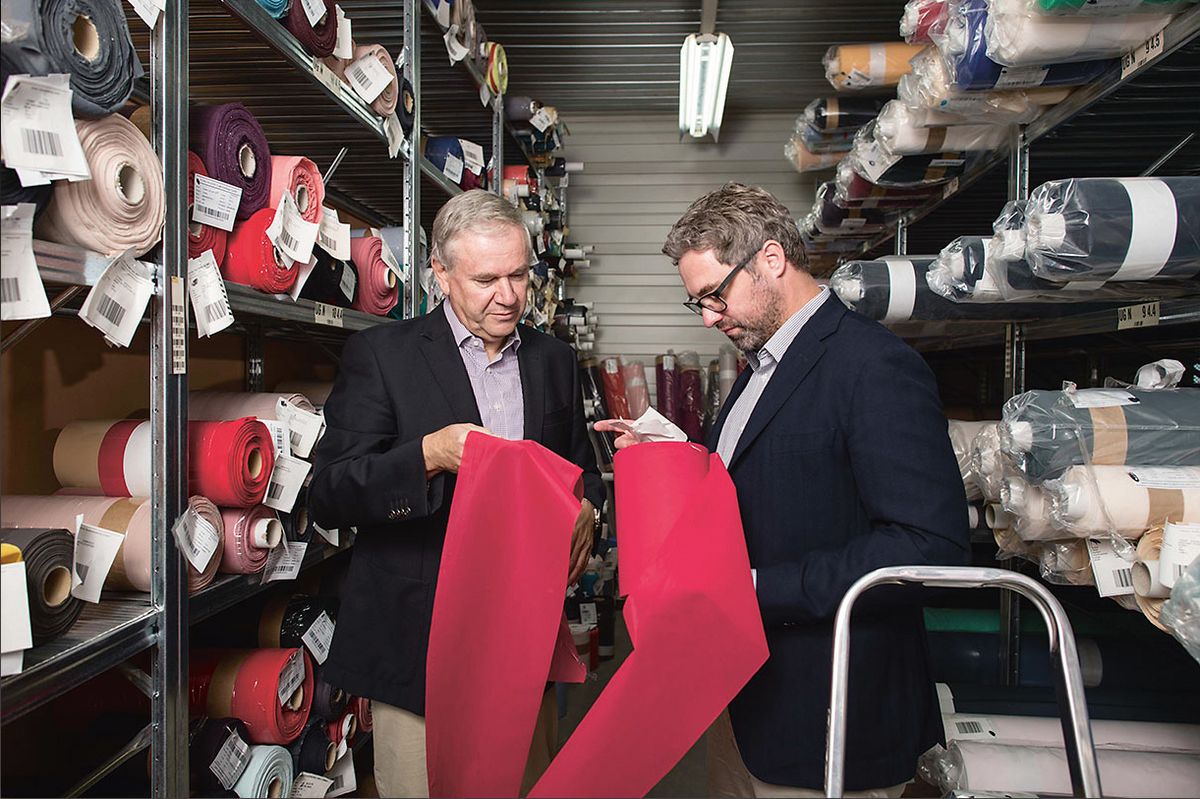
[(705, 61)]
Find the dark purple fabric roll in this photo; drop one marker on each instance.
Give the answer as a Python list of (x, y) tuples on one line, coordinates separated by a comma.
[(832, 218), (234, 148), (318, 41)]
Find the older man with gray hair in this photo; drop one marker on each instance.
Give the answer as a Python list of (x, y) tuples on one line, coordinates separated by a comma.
[(406, 396)]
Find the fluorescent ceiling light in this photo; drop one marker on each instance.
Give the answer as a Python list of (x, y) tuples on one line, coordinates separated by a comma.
[(705, 61)]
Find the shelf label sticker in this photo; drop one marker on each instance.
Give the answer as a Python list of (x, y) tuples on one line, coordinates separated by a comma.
[(326, 76), (1139, 56), (95, 551), (116, 303), (210, 301), (215, 202), (1144, 314), (22, 295), (327, 314), (179, 327)]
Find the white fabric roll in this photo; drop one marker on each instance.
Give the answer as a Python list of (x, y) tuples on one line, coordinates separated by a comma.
[(1039, 731), (1030, 507), (961, 435), (1016, 38), (897, 131), (1129, 495), (986, 465), (227, 405), (317, 391)]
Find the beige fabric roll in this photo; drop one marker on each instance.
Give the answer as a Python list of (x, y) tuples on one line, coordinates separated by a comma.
[(1079, 505), (986, 465), (1148, 548), (859, 66), (228, 405), (1030, 507), (1067, 563), (961, 435), (317, 391)]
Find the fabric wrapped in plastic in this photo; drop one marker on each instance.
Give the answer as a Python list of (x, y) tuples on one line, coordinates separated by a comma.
[(1017, 38), (930, 86), (861, 66), (1127, 500), (987, 467), (892, 169), (897, 132), (1107, 8), (1066, 563), (855, 191), (1044, 433), (840, 113), (637, 393), (805, 160), (1181, 613), (1100, 229), (666, 373), (614, 388), (834, 141), (962, 433), (1029, 507), (923, 21), (965, 48), (832, 219)]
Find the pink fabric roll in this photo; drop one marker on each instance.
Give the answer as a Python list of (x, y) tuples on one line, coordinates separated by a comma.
[(316, 391), (219, 406), (637, 393), (301, 177), (385, 103), (243, 527), (378, 288)]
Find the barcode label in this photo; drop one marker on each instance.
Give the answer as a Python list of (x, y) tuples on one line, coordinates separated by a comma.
[(81, 569), (111, 310), (968, 727), (10, 289), (214, 202), (369, 77), (214, 311), (1113, 573), (292, 233), (41, 142), (361, 79), (1124, 577), (286, 481), (1179, 570), (286, 239), (204, 209), (275, 491)]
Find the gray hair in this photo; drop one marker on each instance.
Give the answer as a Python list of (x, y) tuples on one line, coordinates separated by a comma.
[(735, 221), (474, 210)]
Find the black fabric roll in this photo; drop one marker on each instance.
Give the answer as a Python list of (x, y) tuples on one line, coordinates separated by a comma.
[(520, 109), (925, 170), (325, 282), (234, 149), (12, 192), (593, 397), (406, 106), (48, 556), (833, 218), (204, 743), (554, 220), (296, 526), (1114, 704), (313, 751), (841, 113), (558, 168), (299, 613), (329, 701), (86, 39), (318, 41)]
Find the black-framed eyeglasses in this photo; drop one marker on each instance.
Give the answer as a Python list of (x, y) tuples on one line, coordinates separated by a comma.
[(713, 301)]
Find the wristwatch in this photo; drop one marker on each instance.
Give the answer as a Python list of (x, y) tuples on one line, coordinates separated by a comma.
[(598, 519)]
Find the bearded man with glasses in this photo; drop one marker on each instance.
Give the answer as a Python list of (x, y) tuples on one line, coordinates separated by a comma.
[(837, 445)]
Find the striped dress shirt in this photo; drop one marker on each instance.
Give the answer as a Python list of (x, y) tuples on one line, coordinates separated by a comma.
[(496, 382)]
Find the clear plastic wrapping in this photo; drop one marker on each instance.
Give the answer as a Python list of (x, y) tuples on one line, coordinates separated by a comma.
[(885, 168), (1127, 500), (855, 191), (1118, 229), (840, 113), (959, 271), (805, 160), (962, 434), (1018, 38), (691, 396), (987, 468), (637, 393), (832, 219), (1030, 509), (862, 66), (1181, 613), (931, 87), (897, 132), (1066, 563), (819, 141), (924, 20)]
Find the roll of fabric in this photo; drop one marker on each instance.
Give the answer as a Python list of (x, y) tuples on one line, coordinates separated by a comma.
[(727, 370), (385, 103), (841, 113), (316, 391), (817, 141), (893, 169), (1110, 7), (295, 524), (313, 751), (897, 133), (496, 70), (276, 8), (244, 684), (520, 109), (86, 39), (930, 87), (49, 555), (202, 237), (691, 396), (832, 219), (205, 741), (614, 388), (342, 729), (13, 193), (1085, 503), (439, 148), (362, 714), (252, 260), (268, 774), (123, 206), (229, 405), (131, 568), (317, 40), (378, 287), (595, 408), (1099, 229), (855, 190), (1030, 507), (666, 378), (1016, 38), (962, 434), (1149, 552), (285, 619), (923, 20), (965, 48), (250, 535), (636, 391), (406, 106), (300, 176), (234, 149), (231, 462), (861, 66), (1043, 431), (329, 701)]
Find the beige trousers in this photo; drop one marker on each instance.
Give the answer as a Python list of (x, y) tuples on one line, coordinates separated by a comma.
[(729, 777), (399, 742)]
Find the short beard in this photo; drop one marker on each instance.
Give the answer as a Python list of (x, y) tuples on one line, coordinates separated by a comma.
[(757, 332)]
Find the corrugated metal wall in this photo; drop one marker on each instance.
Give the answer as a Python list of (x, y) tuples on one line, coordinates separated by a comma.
[(638, 180)]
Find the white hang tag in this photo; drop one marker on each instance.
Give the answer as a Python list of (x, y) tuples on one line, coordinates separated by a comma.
[(389, 258), (1180, 546), (314, 11), (286, 481), (147, 10), (395, 134), (329, 535), (116, 303), (215, 202), (291, 676), (197, 539), (453, 168), (587, 613), (1167, 477), (348, 284), (231, 760), (95, 551), (330, 315), (210, 301), (16, 634), (280, 435), (1114, 574), (968, 728), (1021, 77), (37, 131), (333, 235), (344, 48), (305, 271), (284, 562), (453, 49), (368, 77), (875, 161), (1100, 398), (319, 636), (22, 295), (542, 119), (305, 426), (290, 232), (442, 13), (343, 777), (310, 786), (472, 156), (485, 94)]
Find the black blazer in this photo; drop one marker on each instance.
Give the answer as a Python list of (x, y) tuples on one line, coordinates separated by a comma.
[(845, 466), (397, 383)]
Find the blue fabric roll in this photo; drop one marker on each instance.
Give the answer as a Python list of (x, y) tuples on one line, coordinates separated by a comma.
[(974, 71), (437, 148), (276, 8)]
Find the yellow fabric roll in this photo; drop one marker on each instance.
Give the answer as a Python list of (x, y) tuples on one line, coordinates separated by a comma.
[(860, 66), (9, 554)]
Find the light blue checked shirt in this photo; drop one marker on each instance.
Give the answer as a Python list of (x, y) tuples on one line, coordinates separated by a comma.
[(496, 382)]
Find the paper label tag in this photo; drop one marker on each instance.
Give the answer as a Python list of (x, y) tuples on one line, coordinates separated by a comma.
[(1138, 57), (148, 11), (280, 435), (116, 303), (319, 636), (587, 613), (947, 162), (472, 156), (310, 786), (16, 634), (1100, 398), (344, 48), (668, 363), (485, 94), (395, 134), (304, 426), (1145, 314), (453, 48), (210, 301), (37, 131), (214, 202), (95, 551), (369, 77), (1021, 77), (231, 760), (179, 326), (22, 295), (968, 728), (1167, 477), (441, 13), (343, 777), (286, 481), (348, 284), (1114, 574), (874, 160), (284, 562), (197, 539), (326, 76), (1180, 546), (291, 676), (303, 273), (327, 314), (389, 258), (314, 11), (541, 119), (329, 535), (290, 232), (453, 168), (853, 222)]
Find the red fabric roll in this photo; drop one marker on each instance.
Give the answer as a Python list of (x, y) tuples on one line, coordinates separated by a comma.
[(343, 728), (614, 388), (230, 462), (202, 237), (362, 713), (252, 259), (666, 374), (301, 177), (318, 41), (691, 404), (244, 684), (378, 289)]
